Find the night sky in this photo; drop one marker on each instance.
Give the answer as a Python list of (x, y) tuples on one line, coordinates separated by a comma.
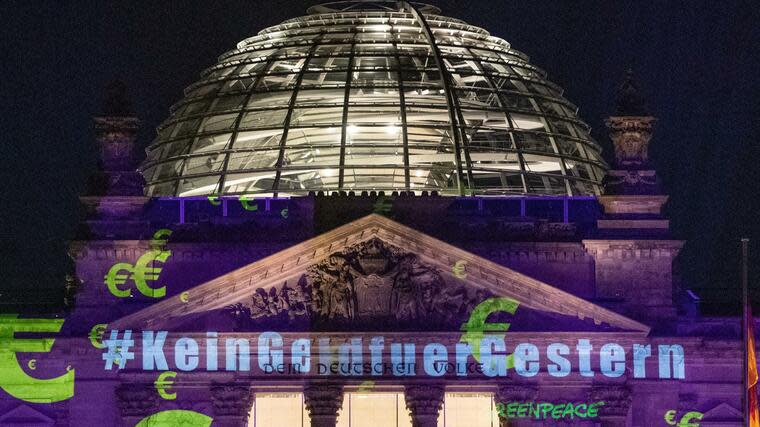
[(696, 62)]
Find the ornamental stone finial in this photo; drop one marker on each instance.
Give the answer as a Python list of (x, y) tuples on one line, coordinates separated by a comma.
[(631, 127)]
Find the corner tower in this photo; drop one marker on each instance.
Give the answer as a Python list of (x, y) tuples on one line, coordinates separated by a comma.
[(633, 250), (114, 196)]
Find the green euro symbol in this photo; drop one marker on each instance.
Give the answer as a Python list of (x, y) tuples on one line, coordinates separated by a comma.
[(686, 420), (476, 328), (244, 201), (116, 278), (142, 273), (670, 417), (13, 379), (176, 418), (157, 242)]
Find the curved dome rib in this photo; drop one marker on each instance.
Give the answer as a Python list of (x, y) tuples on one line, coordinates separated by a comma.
[(450, 99), (385, 100)]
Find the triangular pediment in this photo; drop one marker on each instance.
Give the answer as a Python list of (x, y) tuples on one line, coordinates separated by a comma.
[(375, 271), (722, 413), (25, 416)]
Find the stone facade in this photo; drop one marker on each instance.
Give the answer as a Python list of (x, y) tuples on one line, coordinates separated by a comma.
[(325, 265)]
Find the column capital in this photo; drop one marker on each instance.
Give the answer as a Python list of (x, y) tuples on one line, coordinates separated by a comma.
[(617, 403), (136, 401), (512, 392), (424, 402), (516, 393), (231, 400), (323, 401)]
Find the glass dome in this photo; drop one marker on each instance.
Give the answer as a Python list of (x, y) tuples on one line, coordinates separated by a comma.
[(383, 96)]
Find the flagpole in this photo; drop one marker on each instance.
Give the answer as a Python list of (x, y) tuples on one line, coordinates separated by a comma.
[(745, 329)]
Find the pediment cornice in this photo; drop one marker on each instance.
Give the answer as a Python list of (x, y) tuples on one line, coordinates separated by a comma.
[(291, 263)]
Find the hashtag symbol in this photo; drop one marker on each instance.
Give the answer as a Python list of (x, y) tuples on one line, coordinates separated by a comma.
[(118, 349)]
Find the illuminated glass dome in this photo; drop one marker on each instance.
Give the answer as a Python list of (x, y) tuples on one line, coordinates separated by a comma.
[(383, 96)]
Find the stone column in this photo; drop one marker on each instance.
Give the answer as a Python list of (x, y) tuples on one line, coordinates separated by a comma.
[(323, 401), (232, 404), (514, 393), (424, 402), (135, 402), (617, 403)]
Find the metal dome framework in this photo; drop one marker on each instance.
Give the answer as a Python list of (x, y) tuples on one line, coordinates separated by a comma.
[(357, 99)]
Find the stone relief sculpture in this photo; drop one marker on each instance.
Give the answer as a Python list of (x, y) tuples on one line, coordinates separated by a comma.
[(371, 284)]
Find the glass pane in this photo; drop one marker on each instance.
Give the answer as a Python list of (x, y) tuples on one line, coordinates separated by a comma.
[(375, 62), (332, 78), (562, 127), (280, 81), (513, 101), (263, 119), (175, 148), (279, 409), (484, 118), (374, 96), (422, 78), (377, 115), (270, 99), (416, 49), (524, 121), (258, 139), (530, 141), (218, 123), (198, 186), (570, 148), (193, 108), (328, 63), (478, 98), (416, 62), (438, 138), (202, 91), (374, 78), (490, 138), (286, 66), (314, 136), (468, 409), (309, 179), (210, 143), (186, 128), (169, 169), (428, 97), (374, 48), (577, 169), (373, 410), (204, 164), (221, 72), (317, 116), (253, 160), (542, 164), (553, 186), (320, 97), (373, 135), (422, 116), (226, 103), (251, 68), (253, 182), (238, 85), (327, 49), (374, 179), (370, 156)]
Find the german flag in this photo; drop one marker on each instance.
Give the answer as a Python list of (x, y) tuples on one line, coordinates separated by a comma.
[(753, 413)]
